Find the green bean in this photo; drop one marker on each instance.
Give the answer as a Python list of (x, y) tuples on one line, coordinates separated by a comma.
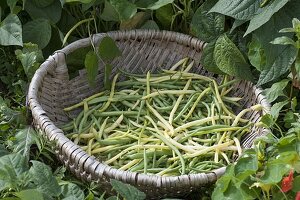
[(170, 123)]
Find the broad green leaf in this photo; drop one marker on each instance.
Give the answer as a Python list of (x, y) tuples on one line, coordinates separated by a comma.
[(42, 177), (274, 173), (256, 54), (75, 60), (150, 24), (136, 21), (274, 52), (276, 90), (51, 12), (124, 8), (287, 140), (37, 31), (30, 194), (296, 184), (207, 58), (283, 40), (108, 50), (268, 120), (91, 66), (280, 66), (31, 57), (275, 109), (127, 191), (207, 26), (265, 15), (164, 15), (288, 119), (238, 9), (12, 167), (28, 61), (223, 182), (11, 31), (153, 4), (71, 191), (107, 73), (12, 5), (24, 139), (43, 3), (230, 60), (109, 13), (233, 192), (246, 166)]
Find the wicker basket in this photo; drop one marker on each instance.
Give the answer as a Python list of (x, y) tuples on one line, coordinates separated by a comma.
[(142, 50)]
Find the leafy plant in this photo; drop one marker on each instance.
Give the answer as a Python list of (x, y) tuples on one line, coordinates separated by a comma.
[(261, 170)]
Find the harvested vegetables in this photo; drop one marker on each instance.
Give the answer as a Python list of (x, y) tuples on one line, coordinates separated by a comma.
[(172, 123)]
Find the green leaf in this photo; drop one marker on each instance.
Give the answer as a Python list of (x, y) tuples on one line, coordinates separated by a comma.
[(43, 3), (37, 31), (207, 26), (42, 177), (124, 8), (107, 73), (91, 66), (286, 141), (127, 191), (23, 141), (30, 194), (288, 119), (230, 60), (274, 173), (207, 59), (223, 182), (275, 109), (108, 50), (265, 15), (109, 13), (12, 167), (150, 24), (11, 31), (284, 41), (31, 57), (51, 12), (280, 66), (296, 184), (238, 9), (256, 54), (72, 191), (273, 52), (164, 15), (268, 120), (246, 166), (276, 90), (136, 21), (153, 4)]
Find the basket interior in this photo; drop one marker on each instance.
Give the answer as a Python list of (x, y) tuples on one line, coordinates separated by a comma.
[(138, 56)]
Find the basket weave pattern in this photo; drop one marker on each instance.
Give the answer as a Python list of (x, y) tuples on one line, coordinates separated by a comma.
[(142, 50)]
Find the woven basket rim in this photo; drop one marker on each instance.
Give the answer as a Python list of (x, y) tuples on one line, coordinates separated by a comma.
[(91, 165)]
